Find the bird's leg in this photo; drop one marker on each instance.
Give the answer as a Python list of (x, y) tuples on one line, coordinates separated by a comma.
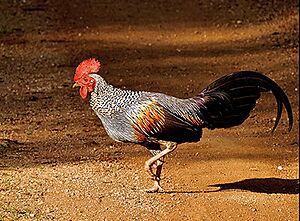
[(170, 146), (156, 186)]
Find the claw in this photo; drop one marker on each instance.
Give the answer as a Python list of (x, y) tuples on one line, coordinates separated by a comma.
[(148, 168), (155, 189)]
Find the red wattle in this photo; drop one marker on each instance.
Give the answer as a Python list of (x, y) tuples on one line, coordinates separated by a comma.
[(83, 92)]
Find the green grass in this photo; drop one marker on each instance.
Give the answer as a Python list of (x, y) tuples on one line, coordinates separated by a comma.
[(10, 212)]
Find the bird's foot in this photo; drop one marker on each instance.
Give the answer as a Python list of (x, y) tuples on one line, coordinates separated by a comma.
[(148, 168), (155, 189)]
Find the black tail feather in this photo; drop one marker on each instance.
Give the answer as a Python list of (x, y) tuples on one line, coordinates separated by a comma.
[(228, 101)]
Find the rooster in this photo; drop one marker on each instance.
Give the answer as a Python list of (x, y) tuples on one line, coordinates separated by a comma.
[(161, 122)]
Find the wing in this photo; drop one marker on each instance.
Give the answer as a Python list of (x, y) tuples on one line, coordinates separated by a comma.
[(151, 120)]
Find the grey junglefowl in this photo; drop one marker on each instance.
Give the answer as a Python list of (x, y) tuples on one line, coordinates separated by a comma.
[(156, 120)]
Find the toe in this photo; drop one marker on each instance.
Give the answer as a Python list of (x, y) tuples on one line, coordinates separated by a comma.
[(156, 188), (148, 169)]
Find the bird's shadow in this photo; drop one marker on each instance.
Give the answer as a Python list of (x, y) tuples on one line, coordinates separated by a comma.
[(258, 185)]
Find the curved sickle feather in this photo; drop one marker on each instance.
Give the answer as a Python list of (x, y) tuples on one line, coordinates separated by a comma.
[(244, 84)]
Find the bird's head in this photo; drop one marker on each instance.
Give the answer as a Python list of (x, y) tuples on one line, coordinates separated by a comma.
[(82, 76)]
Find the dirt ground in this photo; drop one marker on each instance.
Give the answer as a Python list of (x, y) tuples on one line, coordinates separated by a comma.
[(57, 162)]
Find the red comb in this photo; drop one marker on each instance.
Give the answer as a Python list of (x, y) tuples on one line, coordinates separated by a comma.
[(88, 66)]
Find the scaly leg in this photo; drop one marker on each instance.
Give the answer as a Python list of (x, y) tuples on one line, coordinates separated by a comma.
[(170, 146), (156, 186)]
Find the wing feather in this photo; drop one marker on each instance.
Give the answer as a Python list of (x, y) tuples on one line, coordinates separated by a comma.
[(151, 121)]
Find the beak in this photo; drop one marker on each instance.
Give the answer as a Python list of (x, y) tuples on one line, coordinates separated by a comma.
[(75, 85)]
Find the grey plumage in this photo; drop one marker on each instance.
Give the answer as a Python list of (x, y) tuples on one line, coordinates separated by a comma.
[(225, 103)]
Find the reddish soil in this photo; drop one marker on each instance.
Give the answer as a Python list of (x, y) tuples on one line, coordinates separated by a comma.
[(57, 162)]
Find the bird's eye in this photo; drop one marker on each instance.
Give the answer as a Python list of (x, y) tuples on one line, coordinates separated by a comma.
[(85, 79)]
